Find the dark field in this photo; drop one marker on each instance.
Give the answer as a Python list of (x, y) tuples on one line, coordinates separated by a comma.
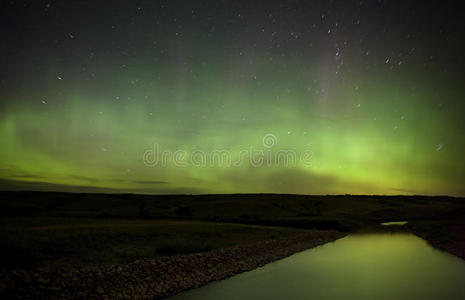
[(60, 242), (52, 230)]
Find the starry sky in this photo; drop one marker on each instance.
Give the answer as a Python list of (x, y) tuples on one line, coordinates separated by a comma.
[(92, 92)]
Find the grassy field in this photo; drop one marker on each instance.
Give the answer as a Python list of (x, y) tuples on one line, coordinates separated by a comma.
[(62, 242), (62, 229)]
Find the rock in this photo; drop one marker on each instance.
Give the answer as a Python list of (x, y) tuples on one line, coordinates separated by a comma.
[(3, 287), (83, 294), (27, 278), (42, 280), (100, 290)]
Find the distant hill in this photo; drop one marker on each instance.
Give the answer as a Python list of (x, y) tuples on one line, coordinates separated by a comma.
[(342, 212)]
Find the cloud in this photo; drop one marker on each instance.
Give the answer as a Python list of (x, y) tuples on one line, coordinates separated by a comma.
[(150, 182), (17, 185), (25, 176), (78, 177)]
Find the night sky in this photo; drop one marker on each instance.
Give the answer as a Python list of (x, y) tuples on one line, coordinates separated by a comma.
[(373, 90)]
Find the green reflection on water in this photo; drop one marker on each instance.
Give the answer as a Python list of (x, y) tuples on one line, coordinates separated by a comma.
[(361, 266), (399, 223)]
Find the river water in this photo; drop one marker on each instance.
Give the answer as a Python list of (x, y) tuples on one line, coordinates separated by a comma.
[(387, 265)]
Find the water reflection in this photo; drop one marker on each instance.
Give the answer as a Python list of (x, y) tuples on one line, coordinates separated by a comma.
[(394, 223), (389, 265)]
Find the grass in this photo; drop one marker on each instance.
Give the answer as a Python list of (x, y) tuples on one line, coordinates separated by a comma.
[(59, 242)]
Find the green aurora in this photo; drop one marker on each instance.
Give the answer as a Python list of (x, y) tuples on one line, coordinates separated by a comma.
[(80, 114)]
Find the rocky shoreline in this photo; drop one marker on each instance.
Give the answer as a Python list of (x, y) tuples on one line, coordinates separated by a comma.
[(449, 238), (154, 278)]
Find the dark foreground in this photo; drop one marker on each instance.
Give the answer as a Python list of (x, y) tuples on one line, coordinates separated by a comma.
[(61, 245), (155, 278)]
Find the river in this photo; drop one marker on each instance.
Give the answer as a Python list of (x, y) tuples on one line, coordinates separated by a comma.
[(385, 265)]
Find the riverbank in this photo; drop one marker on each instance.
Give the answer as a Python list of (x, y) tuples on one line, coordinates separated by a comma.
[(155, 278), (447, 236)]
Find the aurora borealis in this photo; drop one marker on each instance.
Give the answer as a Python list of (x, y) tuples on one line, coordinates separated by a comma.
[(372, 88)]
